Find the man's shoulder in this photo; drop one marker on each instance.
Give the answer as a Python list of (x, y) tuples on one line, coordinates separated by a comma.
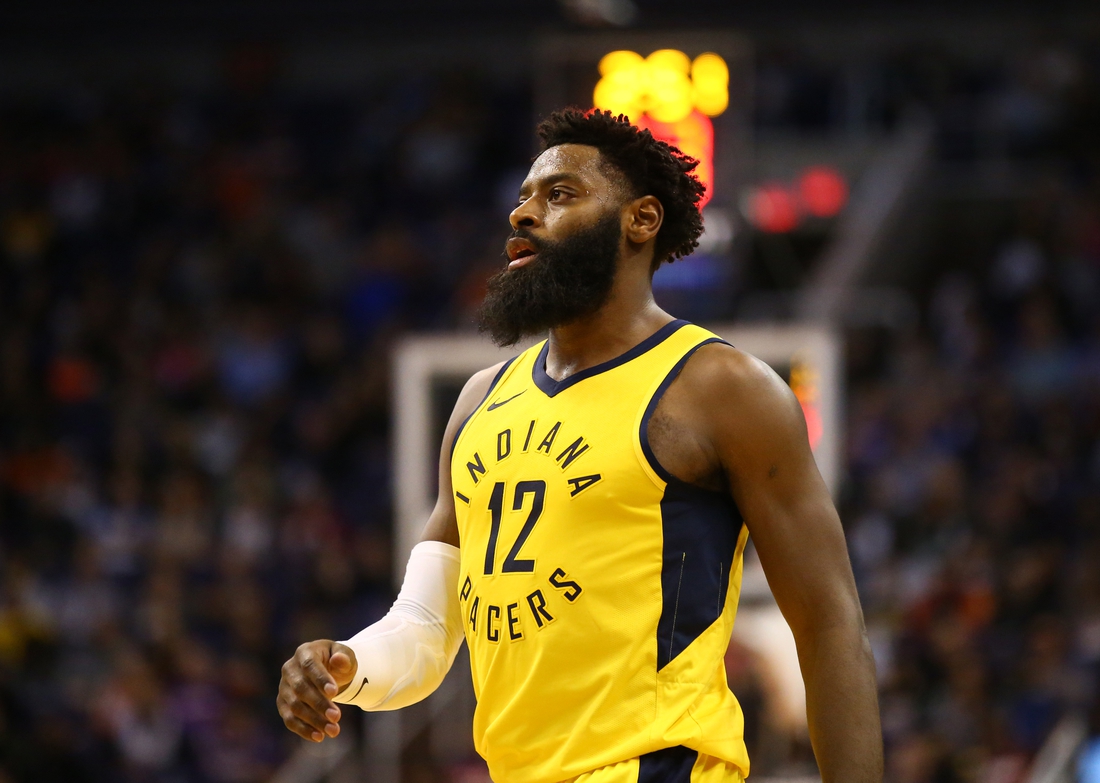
[(721, 368), (479, 385), (475, 391), (483, 379), (726, 382)]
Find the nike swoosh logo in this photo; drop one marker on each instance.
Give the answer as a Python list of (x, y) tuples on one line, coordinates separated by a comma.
[(362, 685), (494, 405)]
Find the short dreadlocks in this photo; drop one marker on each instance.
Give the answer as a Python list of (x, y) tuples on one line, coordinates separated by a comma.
[(651, 168)]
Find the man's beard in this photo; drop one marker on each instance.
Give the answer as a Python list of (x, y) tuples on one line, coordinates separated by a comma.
[(570, 279)]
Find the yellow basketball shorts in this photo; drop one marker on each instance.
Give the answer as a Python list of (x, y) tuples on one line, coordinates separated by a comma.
[(671, 765)]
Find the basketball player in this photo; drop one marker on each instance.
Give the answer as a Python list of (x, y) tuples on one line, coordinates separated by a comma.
[(595, 496)]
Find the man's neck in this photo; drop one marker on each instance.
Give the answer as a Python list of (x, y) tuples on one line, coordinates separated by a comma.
[(628, 317)]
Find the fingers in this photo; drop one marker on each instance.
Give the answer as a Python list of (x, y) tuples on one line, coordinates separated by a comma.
[(296, 724), (303, 707), (342, 669), (303, 718), (295, 710), (304, 685), (340, 662), (306, 730), (317, 671)]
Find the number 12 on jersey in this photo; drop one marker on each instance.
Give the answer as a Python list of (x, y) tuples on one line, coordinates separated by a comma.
[(512, 564)]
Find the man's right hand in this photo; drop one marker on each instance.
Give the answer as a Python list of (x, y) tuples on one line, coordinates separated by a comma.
[(317, 672)]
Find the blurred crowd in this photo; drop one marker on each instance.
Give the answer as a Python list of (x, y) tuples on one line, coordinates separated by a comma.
[(198, 298), (973, 502), (974, 506)]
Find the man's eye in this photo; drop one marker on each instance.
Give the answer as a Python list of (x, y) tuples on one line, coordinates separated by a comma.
[(555, 193)]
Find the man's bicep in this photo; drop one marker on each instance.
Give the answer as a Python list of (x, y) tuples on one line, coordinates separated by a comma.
[(442, 524), (801, 545)]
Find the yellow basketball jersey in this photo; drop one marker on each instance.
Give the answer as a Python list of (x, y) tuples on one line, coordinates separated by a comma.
[(598, 591)]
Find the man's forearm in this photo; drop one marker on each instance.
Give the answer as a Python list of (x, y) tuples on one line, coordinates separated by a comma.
[(409, 651), (842, 703)]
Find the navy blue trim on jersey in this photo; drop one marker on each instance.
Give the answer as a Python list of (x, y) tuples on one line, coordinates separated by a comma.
[(667, 765), (550, 387), (643, 433), (700, 528), (493, 385)]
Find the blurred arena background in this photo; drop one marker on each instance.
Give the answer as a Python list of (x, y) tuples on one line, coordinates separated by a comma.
[(240, 247)]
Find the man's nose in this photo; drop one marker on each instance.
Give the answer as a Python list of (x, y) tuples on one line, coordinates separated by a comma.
[(524, 216)]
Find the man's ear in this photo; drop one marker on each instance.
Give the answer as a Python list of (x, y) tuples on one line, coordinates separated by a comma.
[(644, 218)]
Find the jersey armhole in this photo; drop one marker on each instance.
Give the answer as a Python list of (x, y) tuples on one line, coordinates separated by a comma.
[(651, 406), (493, 385)]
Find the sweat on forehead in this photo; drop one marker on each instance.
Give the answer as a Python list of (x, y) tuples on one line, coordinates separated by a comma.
[(581, 161)]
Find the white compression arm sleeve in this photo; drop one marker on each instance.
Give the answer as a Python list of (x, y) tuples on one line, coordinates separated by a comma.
[(403, 657)]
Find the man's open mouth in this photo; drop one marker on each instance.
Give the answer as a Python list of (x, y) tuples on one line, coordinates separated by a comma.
[(520, 252)]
